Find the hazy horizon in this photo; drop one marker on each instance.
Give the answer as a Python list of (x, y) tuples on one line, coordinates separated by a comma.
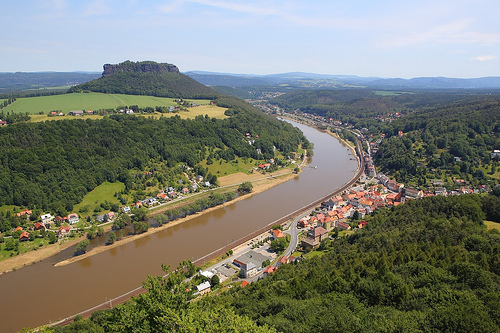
[(387, 39)]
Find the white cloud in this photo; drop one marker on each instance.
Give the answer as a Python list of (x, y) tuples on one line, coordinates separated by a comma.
[(485, 58)]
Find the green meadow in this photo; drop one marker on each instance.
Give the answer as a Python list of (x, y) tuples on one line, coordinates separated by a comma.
[(93, 199), (86, 101)]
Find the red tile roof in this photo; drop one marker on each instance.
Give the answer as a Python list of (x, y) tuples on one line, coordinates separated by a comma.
[(278, 233)]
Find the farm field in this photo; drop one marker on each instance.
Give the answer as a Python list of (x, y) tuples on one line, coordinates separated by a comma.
[(86, 101)]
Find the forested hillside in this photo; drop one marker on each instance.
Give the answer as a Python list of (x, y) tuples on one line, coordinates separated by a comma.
[(356, 105), (429, 265), (147, 78), (425, 135), (455, 140), (53, 164)]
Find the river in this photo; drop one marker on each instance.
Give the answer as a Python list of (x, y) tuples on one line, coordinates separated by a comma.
[(39, 294)]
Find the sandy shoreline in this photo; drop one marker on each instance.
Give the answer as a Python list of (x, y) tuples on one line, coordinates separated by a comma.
[(32, 257)]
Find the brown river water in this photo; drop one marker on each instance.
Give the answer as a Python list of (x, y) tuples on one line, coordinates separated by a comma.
[(40, 293)]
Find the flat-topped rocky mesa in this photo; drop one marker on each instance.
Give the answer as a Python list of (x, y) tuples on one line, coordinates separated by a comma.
[(142, 66)]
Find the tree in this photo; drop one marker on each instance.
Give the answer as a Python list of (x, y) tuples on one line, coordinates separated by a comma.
[(279, 245), (9, 244), (140, 227), (52, 237), (214, 280), (245, 187), (82, 247), (139, 214), (111, 237)]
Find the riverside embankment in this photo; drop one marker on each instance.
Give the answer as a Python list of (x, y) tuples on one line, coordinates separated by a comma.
[(41, 293)]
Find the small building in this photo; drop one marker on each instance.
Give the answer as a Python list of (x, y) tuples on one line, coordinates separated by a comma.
[(75, 113), (314, 237), (277, 233), (207, 274), (73, 218), (24, 236), (26, 213), (250, 257), (38, 226), (249, 269), (203, 288), (46, 218), (63, 231), (126, 210)]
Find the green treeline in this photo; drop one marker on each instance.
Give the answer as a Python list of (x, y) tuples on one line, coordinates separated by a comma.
[(52, 165), (429, 265)]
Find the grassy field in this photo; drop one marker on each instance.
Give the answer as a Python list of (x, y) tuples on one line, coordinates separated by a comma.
[(23, 247), (223, 169), (212, 110), (86, 101), (492, 225), (97, 196)]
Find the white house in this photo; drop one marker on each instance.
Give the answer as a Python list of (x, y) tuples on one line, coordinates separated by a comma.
[(73, 218), (203, 288), (46, 218)]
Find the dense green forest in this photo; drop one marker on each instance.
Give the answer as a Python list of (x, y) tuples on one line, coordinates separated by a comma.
[(355, 105), (52, 165), (429, 265), (454, 140), (446, 135)]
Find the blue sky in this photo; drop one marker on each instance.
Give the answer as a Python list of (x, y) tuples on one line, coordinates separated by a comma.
[(456, 38)]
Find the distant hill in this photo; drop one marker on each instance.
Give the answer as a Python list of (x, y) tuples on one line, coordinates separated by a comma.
[(438, 83), (10, 82), (342, 81), (146, 78)]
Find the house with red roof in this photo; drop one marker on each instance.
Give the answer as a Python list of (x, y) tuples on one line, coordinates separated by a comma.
[(314, 237), (277, 233), (362, 224), (25, 213), (60, 219), (18, 228), (24, 236), (270, 270), (343, 226), (63, 231), (244, 283), (39, 226)]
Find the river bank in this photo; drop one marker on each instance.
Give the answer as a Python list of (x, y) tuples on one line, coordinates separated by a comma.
[(260, 184)]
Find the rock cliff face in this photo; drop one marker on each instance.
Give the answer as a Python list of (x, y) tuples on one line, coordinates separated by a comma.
[(143, 66)]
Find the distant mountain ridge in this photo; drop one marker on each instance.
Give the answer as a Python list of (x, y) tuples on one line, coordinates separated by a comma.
[(18, 81), (342, 81), (146, 78)]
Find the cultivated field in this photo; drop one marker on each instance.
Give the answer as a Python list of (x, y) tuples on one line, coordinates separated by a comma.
[(86, 101)]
